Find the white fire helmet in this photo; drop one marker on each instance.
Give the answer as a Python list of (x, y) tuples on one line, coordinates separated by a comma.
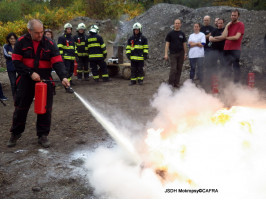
[(94, 29), (67, 25), (137, 26), (81, 26)]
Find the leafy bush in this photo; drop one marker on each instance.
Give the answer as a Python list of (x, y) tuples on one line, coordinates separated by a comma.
[(18, 27), (132, 9), (14, 10), (54, 18), (9, 11), (51, 18), (112, 9)]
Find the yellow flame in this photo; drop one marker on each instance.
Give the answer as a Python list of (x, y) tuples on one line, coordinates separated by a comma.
[(221, 117), (160, 149)]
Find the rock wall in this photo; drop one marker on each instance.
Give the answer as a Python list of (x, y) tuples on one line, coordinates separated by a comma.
[(158, 21)]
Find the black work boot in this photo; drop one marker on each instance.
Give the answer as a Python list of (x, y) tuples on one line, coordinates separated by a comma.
[(106, 79), (79, 77), (132, 83), (140, 82), (13, 140), (43, 140), (86, 77)]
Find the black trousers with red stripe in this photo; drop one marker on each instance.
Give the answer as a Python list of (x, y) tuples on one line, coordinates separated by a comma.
[(25, 91)]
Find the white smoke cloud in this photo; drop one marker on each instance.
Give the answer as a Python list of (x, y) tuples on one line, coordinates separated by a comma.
[(113, 177), (229, 158), (174, 106), (241, 95)]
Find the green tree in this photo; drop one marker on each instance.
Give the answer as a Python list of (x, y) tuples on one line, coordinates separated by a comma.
[(12, 10)]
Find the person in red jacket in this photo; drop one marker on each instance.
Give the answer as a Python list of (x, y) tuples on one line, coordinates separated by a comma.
[(34, 57)]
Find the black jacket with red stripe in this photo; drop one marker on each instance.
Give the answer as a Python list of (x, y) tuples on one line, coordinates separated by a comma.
[(47, 57)]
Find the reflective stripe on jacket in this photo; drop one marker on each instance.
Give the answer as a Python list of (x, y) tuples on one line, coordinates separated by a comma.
[(137, 47), (66, 46), (80, 45), (96, 47)]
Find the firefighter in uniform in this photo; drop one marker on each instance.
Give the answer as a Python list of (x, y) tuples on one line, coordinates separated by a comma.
[(97, 53), (137, 51), (33, 57), (66, 47), (81, 52)]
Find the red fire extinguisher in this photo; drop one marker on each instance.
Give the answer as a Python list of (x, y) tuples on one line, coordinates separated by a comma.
[(215, 89), (251, 80), (40, 98), (75, 68)]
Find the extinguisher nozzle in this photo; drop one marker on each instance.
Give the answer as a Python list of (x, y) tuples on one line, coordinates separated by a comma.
[(69, 90)]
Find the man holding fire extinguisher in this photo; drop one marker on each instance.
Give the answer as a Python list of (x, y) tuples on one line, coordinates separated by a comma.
[(66, 45), (34, 57)]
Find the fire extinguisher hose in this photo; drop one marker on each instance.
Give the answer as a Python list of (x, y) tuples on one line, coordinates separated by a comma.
[(57, 81)]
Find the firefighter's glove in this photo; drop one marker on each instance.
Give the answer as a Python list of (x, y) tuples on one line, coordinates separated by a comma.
[(104, 56), (128, 56)]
